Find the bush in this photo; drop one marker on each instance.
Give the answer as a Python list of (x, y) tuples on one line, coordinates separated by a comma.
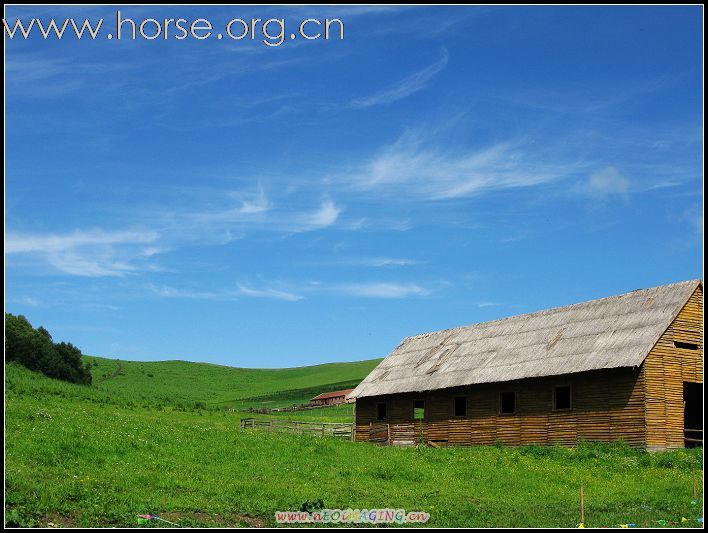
[(35, 349)]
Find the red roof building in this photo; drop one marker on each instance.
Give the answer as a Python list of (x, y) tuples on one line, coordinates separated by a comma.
[(331, 398)]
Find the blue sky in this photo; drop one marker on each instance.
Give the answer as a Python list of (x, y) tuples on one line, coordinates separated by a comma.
[(235, 203)]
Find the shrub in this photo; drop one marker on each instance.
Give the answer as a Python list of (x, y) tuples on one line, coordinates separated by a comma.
[(35, 349)]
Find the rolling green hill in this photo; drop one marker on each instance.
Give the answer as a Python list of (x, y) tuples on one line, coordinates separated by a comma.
[(180, 383)]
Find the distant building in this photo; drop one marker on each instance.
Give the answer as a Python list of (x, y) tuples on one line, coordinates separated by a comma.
[(628, 368), (331, 398)]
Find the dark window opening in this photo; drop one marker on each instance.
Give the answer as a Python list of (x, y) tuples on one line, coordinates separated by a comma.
[(460, 406), (507, 403), (561, 398), (381, 411), (693, 414), (685, 345), (418, 409)]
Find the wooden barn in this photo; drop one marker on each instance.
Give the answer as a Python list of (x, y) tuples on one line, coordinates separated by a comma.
[(627, 368), (331, 398)]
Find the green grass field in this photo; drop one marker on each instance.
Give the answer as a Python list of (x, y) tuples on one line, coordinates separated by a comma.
[(180, 383), (135, 444)]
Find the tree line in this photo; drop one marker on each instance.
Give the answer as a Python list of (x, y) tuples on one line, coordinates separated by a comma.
[(35, 349)]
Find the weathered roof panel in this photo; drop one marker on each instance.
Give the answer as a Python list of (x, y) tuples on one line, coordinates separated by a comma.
[(608, 333)]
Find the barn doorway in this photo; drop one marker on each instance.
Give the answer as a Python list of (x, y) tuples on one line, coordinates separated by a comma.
[(693, 414)]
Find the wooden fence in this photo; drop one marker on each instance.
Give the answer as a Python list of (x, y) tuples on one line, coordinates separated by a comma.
[(693, 437), (343, 430)]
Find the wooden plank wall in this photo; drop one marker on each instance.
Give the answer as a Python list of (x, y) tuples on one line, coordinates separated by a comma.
[(666, 368), (643, 407), (607, 405)]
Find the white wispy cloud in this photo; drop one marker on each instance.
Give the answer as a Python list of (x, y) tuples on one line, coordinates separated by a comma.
[(167, 291), (93, 253), (257, 203), (98, 252), (89, 264), (387, 290), (607, 182), (417, 165), (482, 305), (386, 261), (268, 292), (28, 242), (221, 222), (373, 262), (240, 291), (41, 75), (405, 87), (323, 217), (241, 207), (183, 293), (294, 292)]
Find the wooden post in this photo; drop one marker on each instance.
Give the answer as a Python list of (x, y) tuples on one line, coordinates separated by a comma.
[(582, 506), (695, 485)]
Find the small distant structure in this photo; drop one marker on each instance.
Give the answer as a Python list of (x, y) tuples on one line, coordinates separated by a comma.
[(331, 398)]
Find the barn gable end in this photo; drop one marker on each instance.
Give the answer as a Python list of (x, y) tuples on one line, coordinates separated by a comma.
[(665, 370)]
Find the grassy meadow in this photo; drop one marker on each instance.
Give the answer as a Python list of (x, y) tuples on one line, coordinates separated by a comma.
[(163, 444), (184, 384)]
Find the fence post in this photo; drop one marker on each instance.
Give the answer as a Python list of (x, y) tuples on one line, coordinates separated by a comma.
[(582, 506), (297, 426)]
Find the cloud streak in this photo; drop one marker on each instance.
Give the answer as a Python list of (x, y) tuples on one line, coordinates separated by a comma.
[(28, 243), (372, 262), (270, 293), (241, 291), (296, 292), (224, 223), (93, 253), (386, 290), (415, 165), (407, 86)]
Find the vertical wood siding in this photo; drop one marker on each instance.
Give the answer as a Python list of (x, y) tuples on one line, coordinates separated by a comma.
[(666, 368), (607, 405)]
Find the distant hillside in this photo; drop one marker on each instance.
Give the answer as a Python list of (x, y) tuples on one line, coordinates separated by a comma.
[(181, 382)]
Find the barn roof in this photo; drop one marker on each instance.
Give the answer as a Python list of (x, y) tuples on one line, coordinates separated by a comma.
[(608, 333), (334, 394)]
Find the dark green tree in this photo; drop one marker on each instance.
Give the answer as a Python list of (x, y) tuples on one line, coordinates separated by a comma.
[(35, 349)]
